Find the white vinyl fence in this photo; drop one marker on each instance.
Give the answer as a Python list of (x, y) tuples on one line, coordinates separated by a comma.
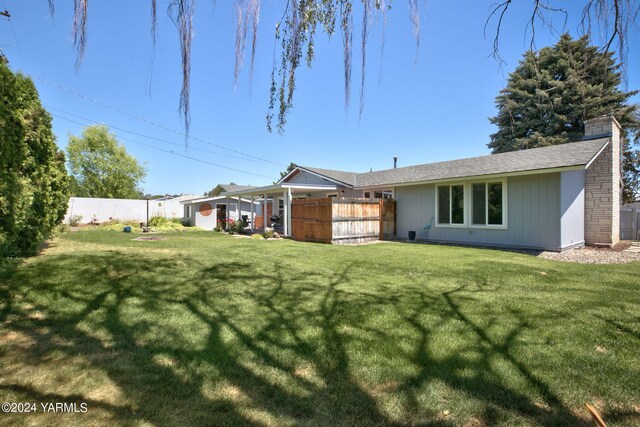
[(630, 223), (102, 210)]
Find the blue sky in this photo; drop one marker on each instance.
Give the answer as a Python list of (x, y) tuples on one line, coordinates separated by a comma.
[(424, 107)]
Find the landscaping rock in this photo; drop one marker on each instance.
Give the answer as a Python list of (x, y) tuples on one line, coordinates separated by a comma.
[(591, 255)]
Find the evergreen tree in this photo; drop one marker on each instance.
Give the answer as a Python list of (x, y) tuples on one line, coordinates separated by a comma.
[(552, 92), (34, 191), (286, 172)]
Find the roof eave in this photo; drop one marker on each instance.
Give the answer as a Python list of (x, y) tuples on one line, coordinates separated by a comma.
[(473, 177), (337, 181)]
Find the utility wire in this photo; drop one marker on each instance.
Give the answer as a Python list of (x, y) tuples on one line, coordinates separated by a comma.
[(150, 122), (172, 152), (49, 107), (14, 35)]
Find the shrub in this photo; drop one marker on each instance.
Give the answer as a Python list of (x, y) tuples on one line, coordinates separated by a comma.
[(59, 229), (234, 227), (268, 233), (158, 221), (34, 184), (74, 220), (257, 236)]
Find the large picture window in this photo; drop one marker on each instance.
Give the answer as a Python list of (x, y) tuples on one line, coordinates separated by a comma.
[(451, 204), (487, 204)]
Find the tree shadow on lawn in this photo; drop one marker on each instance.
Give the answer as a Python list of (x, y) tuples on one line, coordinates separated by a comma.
[(236, 344)]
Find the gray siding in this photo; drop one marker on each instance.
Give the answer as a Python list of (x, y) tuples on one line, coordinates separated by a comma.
[(347, 193), (307, 178), (209, 222), (533, 211), (572, 208)]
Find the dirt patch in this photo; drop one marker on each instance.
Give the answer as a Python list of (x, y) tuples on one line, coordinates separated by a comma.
[(475, 422), (17, 339), (388, 387), (149, 238)]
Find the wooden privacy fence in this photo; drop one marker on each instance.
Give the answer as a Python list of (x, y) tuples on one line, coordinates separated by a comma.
[(340, 221)]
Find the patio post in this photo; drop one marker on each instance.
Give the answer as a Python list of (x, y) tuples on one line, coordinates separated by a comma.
[(252, 214), (285, 194), (264, 212), (289, 212)]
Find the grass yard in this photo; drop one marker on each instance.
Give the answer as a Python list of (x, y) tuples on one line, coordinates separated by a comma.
[(206, 329)]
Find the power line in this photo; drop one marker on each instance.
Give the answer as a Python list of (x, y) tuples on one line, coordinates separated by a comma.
[(173, 153), (49, 107), (8, 15), (147, 121)]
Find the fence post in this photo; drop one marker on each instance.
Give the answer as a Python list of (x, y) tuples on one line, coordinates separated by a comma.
[(381, 215)]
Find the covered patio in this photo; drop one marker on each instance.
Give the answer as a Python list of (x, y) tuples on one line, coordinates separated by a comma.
[(276, 192)]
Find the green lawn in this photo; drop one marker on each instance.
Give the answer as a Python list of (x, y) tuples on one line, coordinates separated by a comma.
[(207, 329)]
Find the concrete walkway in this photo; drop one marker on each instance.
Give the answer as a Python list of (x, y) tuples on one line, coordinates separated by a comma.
[(634, 248)]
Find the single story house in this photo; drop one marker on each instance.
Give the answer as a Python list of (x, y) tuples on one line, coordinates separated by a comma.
[(551, 198), (205, 212)]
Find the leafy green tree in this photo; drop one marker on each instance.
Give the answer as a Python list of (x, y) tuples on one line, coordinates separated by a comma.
[(552, 92), (34, 185), (101, 167)]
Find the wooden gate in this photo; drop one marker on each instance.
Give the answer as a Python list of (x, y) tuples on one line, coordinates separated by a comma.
[(340, 221), (311, 220)]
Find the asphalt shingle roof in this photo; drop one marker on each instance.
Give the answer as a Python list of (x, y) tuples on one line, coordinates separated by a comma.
[(234, 187), (348, 178), (557, 156)]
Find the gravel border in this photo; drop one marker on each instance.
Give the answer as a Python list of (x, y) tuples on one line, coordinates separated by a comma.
[(592, 256)]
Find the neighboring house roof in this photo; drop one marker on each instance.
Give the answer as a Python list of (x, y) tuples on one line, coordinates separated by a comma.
[(212, 198), (234, 187), (228, 188), (177, 198), (553, 157)]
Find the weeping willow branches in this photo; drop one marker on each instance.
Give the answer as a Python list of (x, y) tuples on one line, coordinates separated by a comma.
[(80, 9), (295, 35), (181, 11), (296, 31), (247, 12), (614, 18), (154, 22)]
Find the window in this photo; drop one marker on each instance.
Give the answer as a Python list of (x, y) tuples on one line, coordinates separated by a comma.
[(332, 196), (384, 194), (487, 203), (367, 194), (280, 207), (450, 200)]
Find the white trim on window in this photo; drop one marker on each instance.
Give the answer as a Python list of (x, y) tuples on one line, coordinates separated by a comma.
[(468, 205), (465, 208), (486, 182)]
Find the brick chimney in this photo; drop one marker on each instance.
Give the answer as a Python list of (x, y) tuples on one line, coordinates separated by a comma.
[(602, 184)]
